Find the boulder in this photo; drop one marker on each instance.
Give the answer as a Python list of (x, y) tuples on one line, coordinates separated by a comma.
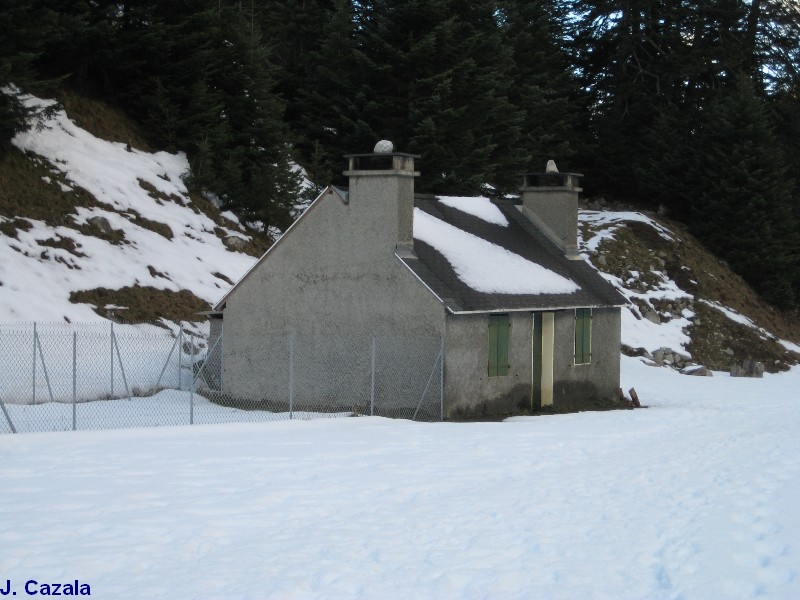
[(102, 224), (651, 316), (748, 368), (697, 371), (234, 243)]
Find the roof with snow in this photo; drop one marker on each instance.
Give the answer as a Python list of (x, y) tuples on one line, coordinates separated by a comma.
[(480, 255)]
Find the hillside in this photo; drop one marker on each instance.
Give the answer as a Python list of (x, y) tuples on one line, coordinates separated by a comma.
[(687, 306), (94, 224)]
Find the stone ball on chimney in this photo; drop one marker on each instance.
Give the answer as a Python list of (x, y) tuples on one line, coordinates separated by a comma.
[(383, 147)]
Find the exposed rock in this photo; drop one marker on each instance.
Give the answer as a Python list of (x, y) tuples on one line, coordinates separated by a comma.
[(102, 224), (658, 357), (651, 316), (748, 368), (728, 351), (697, 371), (234, 243), (602, 261)]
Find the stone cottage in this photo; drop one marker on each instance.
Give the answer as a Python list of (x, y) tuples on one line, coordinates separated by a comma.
[(524, 321)]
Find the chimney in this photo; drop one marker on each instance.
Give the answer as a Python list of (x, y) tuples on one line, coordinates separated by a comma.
[(382, 194), (550, 201)]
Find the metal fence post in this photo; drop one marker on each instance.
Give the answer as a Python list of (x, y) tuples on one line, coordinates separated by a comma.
[(74, 380), (180, 357), (291, 376), (8, 417), (441, 381), (38, 344), (112, 359), (191, 392), (372, 387), (35, 337)]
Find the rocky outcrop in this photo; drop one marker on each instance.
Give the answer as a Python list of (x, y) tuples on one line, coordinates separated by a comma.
[(748, 368)]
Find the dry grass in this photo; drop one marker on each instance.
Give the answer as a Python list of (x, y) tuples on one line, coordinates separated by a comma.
[(638, 247), (143, 304), (30, 189), (102, 120)]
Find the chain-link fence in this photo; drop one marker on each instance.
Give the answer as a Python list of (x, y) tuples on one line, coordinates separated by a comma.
[(102, 376)]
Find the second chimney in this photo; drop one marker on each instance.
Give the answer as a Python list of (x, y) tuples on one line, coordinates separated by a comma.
[(550, 201)]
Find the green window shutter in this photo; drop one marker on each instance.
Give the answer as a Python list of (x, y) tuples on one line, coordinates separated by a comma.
[(583, 336), (498, 345)]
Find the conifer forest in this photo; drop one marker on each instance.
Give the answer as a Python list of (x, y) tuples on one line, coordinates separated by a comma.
[(689, 107)]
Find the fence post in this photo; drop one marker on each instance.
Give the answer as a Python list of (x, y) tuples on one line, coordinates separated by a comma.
[(8, 417), (372, 386), (38, 344), (222, 356), (291, 376), (191, 390), (441, 381), (35, 337), (74, 378), (180, 357), (112, 359)]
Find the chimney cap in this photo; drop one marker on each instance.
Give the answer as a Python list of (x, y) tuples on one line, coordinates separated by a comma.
[(382, 154), (552, 179)]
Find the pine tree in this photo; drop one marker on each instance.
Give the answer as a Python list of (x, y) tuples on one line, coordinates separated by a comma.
[(742, 196), (437, 83), (543, 86), (25, 28)]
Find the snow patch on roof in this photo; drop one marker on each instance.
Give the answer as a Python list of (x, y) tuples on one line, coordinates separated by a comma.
[(487, 267), (477, 206)]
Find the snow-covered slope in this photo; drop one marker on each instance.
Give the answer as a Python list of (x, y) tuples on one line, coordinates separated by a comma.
[(167, 243), (684, 302)]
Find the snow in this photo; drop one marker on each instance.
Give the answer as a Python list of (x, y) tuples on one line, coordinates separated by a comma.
[(638, 332), (694, 497), (611, 221), (37, 281), (167, 407), (478, 206), (487, 267)]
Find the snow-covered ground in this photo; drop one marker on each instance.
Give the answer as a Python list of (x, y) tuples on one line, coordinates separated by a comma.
[(37, 280), (693, 497)]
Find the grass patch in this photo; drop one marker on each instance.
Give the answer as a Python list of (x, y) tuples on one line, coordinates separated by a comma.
[(638, 247), (158, 196), (25, 192), (102, 120), (258, 243), (10, 227), (161, 229), (144, 303), (65, 243)]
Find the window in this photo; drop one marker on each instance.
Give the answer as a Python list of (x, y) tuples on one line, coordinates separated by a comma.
[(498, 345), (583, 336)]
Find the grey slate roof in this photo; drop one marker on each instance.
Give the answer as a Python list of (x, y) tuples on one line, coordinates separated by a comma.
[(520, 237)]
